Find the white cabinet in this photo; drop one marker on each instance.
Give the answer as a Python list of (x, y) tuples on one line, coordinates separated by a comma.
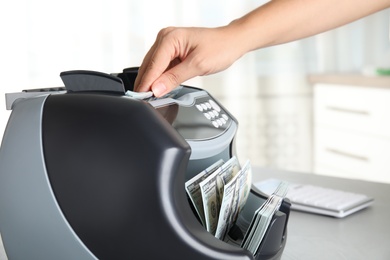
[(351, 132)]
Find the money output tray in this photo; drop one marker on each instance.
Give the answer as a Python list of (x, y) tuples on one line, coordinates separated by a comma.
[(89, 173)]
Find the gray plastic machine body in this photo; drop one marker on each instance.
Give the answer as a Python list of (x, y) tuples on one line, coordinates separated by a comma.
[(92, 174)]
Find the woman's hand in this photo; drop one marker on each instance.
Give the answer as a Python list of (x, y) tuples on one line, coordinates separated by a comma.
[(179, 54)]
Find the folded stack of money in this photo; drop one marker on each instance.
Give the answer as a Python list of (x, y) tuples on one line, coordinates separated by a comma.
[(219, 193), (262, 219), (148, 96)]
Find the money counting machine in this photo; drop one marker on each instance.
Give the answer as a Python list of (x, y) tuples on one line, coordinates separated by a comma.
[(87, 172)]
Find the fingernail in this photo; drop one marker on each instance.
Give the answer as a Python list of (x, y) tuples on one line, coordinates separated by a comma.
[(159, 89)]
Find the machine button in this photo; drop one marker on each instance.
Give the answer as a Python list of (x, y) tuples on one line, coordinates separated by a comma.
[(215, 124), (211, 114), (207, 115), (215, 105), (199, 107)]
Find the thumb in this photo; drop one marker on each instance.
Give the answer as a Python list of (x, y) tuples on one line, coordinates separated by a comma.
[(170, 79)]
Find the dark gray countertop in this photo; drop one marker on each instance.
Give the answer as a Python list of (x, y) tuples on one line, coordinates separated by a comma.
[(362, 235)]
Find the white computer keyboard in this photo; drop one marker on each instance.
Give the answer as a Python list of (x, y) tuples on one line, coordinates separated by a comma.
[(320, 200)]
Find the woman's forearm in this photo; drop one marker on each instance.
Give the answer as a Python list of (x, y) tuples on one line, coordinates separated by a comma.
[(179, 54), (281, 21)]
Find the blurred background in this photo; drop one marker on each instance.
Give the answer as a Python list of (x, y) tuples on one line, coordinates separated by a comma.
[(268, 90)]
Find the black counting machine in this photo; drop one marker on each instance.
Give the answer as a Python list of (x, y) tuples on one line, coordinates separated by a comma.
[(87, 172)]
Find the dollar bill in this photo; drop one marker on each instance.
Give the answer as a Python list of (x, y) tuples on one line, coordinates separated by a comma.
[(193, 189), (212, 190), (236, 192), (172, 94), (227, 172), (226, 208), (139, 95), (208, 188), (229, 169), (244, 184)]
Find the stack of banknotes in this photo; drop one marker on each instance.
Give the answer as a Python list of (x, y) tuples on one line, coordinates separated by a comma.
[(219, 193), (262, 219)]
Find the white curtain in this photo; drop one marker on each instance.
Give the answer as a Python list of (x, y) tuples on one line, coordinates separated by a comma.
[(266, 90)]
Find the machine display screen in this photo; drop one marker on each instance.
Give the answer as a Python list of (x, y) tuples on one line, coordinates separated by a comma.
[(198, 122)]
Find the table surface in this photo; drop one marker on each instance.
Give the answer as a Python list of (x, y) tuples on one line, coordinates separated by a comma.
[(362, 235)]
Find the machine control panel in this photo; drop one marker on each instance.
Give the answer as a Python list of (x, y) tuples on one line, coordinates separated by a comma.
[(213, 112), (198, 119)]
